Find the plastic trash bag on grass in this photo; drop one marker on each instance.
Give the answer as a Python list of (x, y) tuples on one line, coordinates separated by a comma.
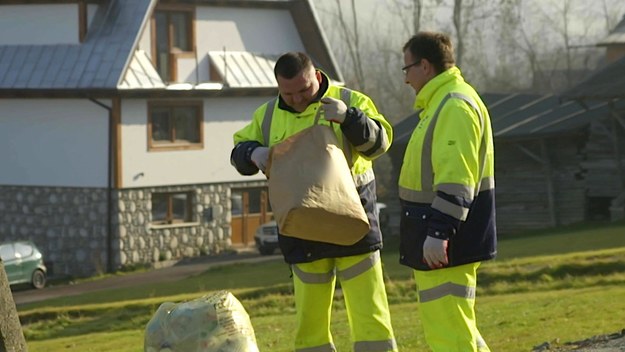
[(216, 322)]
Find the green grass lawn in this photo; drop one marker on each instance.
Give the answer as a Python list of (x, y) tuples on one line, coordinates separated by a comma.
[(548, 286)]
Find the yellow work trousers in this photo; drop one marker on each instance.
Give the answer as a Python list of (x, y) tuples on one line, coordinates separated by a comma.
[(364, 292), (447, 308)]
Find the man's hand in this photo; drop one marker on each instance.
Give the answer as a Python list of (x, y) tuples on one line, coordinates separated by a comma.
[(334, 109), (259, 157), (435, 252)]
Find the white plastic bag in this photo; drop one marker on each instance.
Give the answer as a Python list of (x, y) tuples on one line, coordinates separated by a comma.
[(213, 323)]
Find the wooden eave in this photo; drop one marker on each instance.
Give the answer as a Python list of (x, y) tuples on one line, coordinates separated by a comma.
[(134, 93), (50, 2), (276, 4)]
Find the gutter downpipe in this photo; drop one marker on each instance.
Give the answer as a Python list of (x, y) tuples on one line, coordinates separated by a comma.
[(109, 181)]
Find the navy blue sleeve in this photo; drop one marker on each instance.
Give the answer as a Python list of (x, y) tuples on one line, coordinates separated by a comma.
[(441, 225), (364, 133), (240, 157)]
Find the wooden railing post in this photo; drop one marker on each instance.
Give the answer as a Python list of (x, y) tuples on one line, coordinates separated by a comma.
[(11, 335)]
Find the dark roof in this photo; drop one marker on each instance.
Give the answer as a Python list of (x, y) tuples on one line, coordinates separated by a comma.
[(107, 62), (98, 63), (616, 36), (606, 84), (528, 115), (522, 116)]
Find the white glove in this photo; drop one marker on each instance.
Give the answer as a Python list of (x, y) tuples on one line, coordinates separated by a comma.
[(259, 157), (334, 109), (435, 252)]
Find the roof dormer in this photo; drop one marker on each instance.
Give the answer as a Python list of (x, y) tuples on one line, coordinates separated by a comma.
[(46, 22)]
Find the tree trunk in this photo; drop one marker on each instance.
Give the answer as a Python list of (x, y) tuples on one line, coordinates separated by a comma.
[(11, 336)]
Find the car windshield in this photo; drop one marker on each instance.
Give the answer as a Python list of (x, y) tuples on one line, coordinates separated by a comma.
[(23, 250), (6, 252)]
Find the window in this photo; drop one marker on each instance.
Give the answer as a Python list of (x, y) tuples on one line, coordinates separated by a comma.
[(23, 250), (250, 201), (6, 252), (173, 38), (171, 208), (175, 126)]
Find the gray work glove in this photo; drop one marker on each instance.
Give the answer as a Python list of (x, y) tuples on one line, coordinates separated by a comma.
[(334, 109), (435, 252), (259, 157)]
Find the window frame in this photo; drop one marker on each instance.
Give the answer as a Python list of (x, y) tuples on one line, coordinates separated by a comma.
[(174, 53), (170, 204), (173, 145)]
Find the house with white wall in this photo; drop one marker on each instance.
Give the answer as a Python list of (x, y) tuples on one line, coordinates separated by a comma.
[(116, 123)]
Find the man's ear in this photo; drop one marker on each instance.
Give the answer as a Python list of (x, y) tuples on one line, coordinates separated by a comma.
[(428, 68), (318, 75)]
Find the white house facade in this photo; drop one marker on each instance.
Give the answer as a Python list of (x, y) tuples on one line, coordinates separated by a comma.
[(116, 124)]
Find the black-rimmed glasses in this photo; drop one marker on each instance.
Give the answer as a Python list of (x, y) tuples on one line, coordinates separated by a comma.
[(405, 68)]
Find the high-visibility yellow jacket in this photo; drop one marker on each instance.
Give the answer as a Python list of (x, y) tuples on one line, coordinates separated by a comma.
[(446, 184), (363, 136)]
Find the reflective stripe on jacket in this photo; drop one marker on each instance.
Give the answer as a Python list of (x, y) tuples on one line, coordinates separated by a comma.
[(446, 184), (363, 136)]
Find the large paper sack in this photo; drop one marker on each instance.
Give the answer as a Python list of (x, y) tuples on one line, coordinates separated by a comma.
[(213, 323), (311, 189)]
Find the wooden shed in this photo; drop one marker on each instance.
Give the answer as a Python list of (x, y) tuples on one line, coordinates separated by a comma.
[(549, 154), (606, 147)]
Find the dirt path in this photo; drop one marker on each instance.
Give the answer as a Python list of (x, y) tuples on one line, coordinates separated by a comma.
[(171, 273)]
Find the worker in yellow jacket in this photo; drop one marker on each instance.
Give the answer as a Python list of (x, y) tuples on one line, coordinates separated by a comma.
[(447, 193), (364, 134)]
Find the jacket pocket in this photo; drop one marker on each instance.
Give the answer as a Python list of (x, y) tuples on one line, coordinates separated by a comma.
[(412, 233)]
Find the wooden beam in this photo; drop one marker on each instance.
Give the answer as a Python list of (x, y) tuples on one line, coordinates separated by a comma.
[(545, 161), (550, 184), (82, 21), (116, 142), (532, 156), (617, 117), (618, 154), (49, 2)]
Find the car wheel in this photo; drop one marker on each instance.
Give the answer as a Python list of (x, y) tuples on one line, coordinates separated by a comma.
[(265, 250), (39, 279)]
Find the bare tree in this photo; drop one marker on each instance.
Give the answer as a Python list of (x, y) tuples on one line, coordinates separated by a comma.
[(500, 44), (409, 13), (611, 13), (351, 39), (559, 39), (458, 25), (503, 68)]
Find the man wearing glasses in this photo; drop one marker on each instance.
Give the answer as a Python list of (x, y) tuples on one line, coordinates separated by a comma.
[(447, 193)]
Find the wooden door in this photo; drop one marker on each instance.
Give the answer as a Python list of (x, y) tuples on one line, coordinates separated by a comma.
[(250, 209)]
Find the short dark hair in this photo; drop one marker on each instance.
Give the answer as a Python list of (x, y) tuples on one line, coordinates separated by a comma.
[(435, 47), (291, 63)]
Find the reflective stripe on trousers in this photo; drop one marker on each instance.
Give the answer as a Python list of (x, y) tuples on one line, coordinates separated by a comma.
[(447, 308), (366, 303)]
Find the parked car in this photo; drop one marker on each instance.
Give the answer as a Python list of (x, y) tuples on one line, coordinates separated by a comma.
[(23, 263), (266, 236)]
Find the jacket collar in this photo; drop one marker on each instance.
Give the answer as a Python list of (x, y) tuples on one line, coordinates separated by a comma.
[(425, 95)]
